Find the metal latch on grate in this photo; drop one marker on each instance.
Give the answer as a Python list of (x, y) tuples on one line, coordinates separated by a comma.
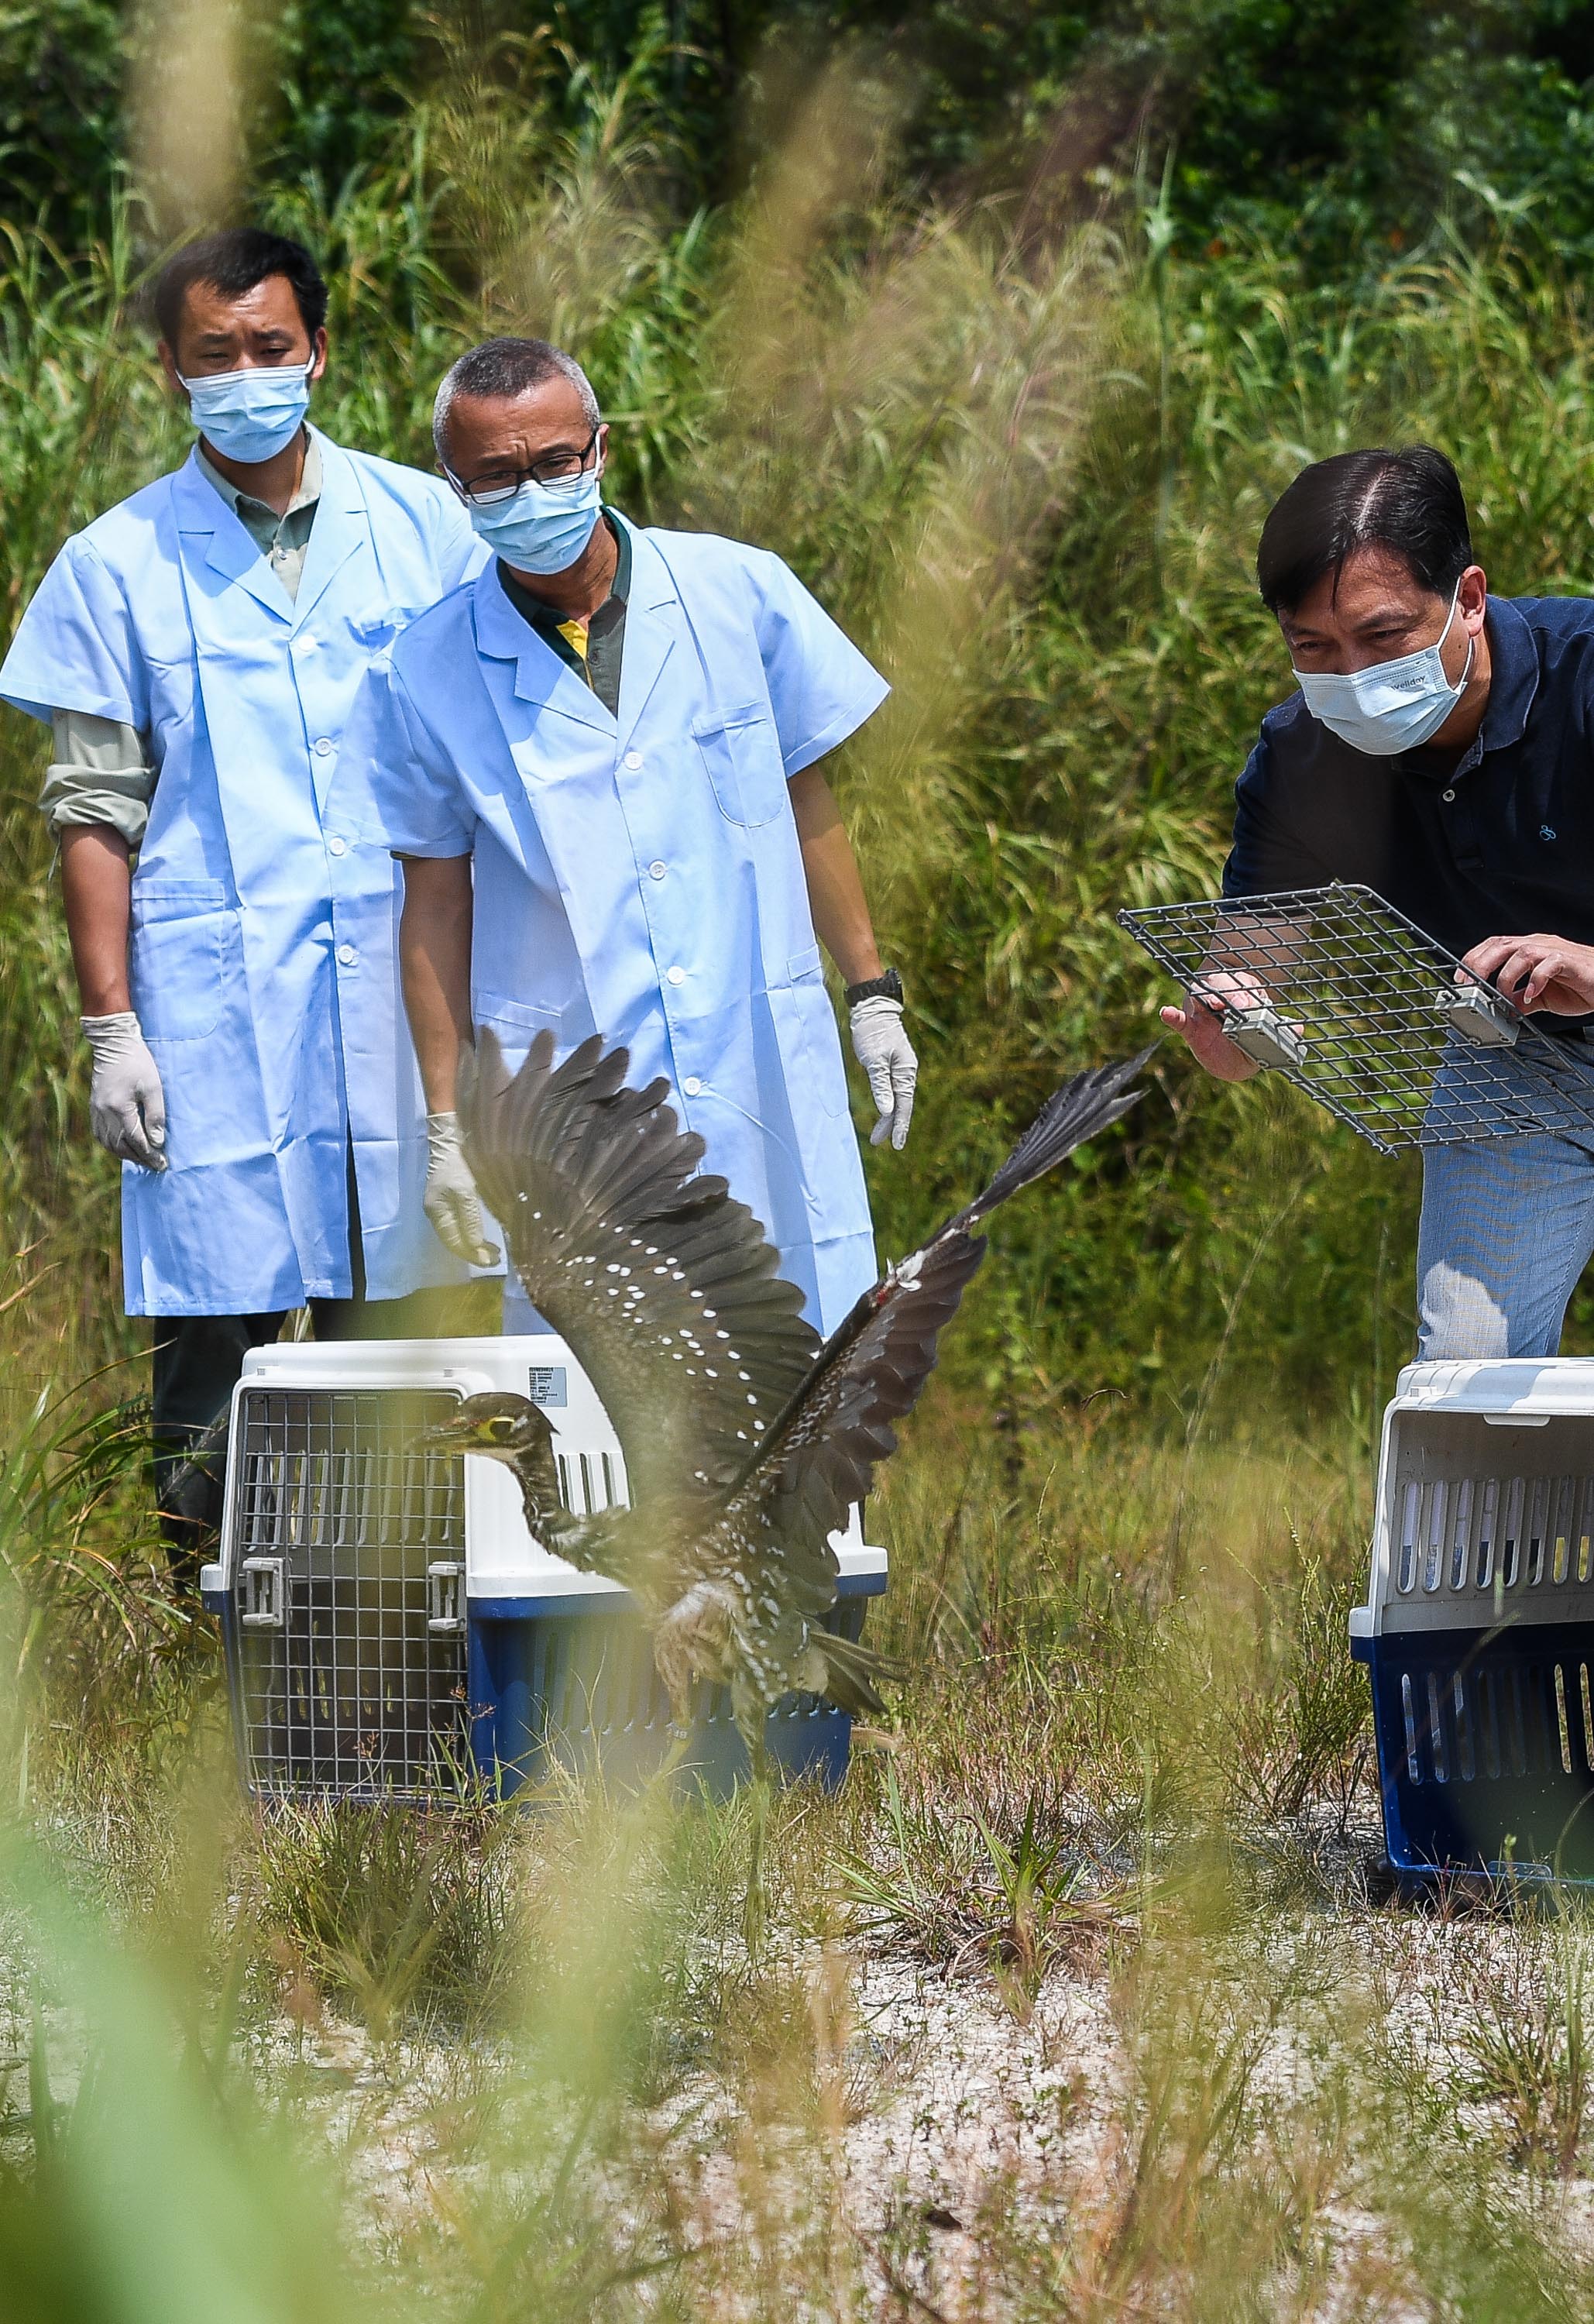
[(1261, 1034), (445, 1595), (1480, 1015), (1336, 990), (265, 1594)]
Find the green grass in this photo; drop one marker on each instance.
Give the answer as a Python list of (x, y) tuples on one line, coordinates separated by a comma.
[(351, 2061)]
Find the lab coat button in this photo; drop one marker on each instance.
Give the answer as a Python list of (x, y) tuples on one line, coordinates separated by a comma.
[(656, 869), (675, 975), (323, 746), (633, 760), (336, 846), (346, 955), (692, 1085)]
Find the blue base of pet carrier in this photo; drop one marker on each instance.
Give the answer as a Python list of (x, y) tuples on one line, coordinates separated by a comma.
[(550, 1684), (550, 1687), (1486, 1750)]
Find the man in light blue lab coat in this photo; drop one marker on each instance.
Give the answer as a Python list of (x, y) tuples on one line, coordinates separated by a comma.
[(619, 731), (232, 916)]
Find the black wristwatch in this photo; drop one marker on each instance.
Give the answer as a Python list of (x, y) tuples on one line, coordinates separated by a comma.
[(888, 987)]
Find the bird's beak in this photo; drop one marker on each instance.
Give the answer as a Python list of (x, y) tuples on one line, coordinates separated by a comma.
[(447, 1436)]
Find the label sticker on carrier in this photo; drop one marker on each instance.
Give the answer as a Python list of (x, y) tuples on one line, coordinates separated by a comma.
[(548, 1386)]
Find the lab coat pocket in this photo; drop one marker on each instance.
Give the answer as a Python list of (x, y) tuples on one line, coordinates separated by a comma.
[(183, 935), (740, 750), (378, 630), (517, 1023), (805, 1024)]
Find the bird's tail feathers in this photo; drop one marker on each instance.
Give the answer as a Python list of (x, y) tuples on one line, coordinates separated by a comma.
[(1088, 1103), (854, 1673)]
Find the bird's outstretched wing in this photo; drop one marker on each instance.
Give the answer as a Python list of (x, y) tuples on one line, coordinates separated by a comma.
[(665, 1287), (837, 1427)]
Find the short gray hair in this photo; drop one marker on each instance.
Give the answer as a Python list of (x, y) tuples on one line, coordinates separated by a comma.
[(507, 368)]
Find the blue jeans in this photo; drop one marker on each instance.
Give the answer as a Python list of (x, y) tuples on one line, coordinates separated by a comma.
[(1508, 1229)]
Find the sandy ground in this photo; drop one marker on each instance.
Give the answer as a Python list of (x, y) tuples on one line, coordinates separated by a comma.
[(942, 2106)]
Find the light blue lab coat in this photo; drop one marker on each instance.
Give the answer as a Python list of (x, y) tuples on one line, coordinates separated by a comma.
[(642, 879), (263, 951)]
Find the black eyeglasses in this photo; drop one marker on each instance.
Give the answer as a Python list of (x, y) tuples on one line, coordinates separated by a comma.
[(501, 484)]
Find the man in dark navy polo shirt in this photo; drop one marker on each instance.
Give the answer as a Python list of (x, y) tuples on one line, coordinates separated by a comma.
[(1439, 751)]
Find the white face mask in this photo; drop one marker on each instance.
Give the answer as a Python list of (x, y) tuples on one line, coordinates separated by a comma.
[(1392, 706)]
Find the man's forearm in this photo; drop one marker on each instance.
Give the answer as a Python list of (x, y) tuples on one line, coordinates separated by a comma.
[(96, 887), (435, 964), (836, 891)]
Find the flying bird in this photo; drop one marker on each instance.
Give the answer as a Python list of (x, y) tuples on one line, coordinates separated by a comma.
[(746, 1438)]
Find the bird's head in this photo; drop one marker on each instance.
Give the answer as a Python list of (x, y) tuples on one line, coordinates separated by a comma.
[(505, 1427)]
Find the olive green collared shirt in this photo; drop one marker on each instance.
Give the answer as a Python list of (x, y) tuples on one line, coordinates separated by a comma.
[(593, 650), (101, 771)]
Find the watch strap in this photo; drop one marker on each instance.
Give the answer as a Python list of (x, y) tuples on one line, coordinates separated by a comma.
[(888, 987)]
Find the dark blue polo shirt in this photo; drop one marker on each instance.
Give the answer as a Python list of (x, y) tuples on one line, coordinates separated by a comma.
[(1499, 843)]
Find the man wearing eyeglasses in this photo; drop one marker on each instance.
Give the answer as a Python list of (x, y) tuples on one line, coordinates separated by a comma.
[(599, 763)]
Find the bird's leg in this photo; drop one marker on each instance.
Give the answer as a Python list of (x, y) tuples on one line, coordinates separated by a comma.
[(672, 1659), (683, 1725)]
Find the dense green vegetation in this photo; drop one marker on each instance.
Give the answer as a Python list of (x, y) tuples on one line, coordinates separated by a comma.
[(1323, 124), (1024, 455)]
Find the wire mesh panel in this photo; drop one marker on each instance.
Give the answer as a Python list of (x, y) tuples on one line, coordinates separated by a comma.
[(348, 1575), (1338, 991)]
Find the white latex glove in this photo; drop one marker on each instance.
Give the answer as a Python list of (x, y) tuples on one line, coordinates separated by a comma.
[(127, 1103), (881, 1046), (450, 1200)]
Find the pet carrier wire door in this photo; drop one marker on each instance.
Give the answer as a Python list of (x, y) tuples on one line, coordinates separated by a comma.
[(1479, 1629), (392, 1629), (1332, 988)]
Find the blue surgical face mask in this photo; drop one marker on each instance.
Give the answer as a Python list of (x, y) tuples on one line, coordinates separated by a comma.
[(541, 528), (1393, 705), (250, 415)]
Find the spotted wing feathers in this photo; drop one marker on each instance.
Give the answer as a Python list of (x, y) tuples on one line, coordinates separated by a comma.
[(838, 1427), (665, 1287)]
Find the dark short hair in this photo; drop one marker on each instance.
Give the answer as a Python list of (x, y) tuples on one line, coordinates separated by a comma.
[(1408, 501), (234, 262), (507, 368)]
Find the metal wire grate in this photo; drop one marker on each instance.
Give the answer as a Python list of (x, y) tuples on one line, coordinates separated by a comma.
[(1338, 991), (348, 1565)]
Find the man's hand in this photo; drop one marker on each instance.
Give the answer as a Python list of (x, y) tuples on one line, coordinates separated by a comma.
[(881, 1046), (1537, 972), (450, 1199), (1201, 1021), (126, 1105)]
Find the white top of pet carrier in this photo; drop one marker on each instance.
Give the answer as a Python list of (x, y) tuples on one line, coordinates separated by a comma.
[(1483, 1516), (502, 1559)]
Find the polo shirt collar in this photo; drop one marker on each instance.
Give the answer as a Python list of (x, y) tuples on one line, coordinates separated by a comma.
[(1514, 677), (237, 500)]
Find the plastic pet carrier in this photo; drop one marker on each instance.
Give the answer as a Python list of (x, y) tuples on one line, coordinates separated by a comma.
[(1479, 1629), (391, 1627)]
